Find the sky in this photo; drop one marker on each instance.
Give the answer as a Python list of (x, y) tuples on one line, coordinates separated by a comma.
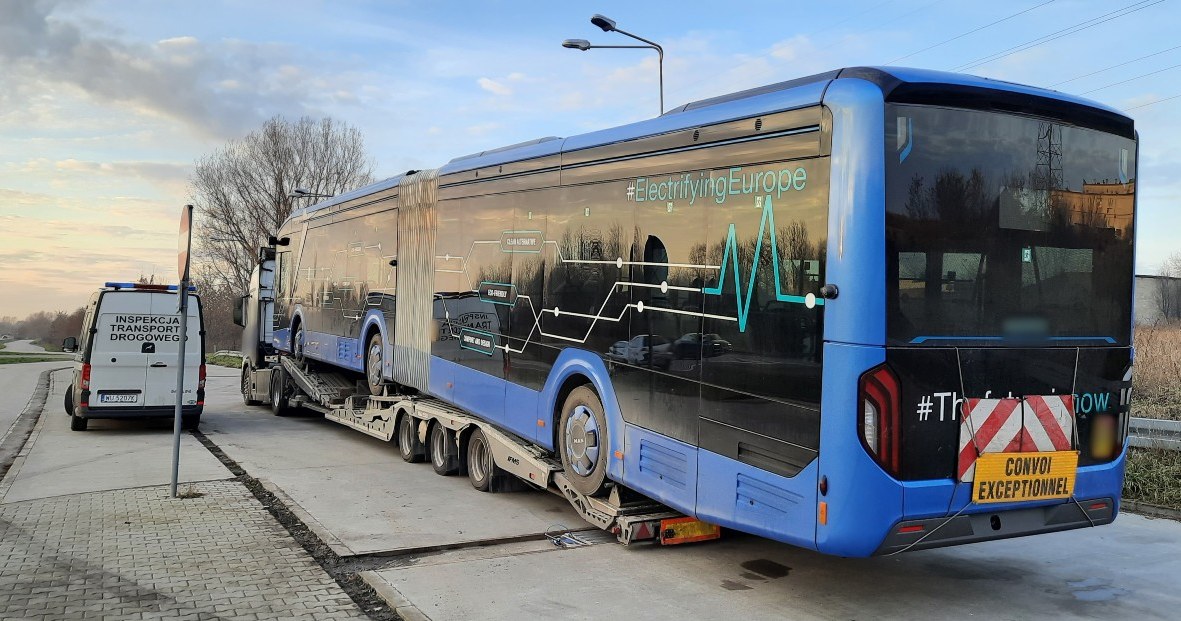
[(105, 105)]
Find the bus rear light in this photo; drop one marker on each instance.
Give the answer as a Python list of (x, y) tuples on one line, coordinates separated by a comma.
[(880, 402), (913, 528), (84, 380), (1095, 506)]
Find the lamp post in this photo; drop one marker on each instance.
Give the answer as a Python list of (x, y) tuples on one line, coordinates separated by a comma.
[(608, 25)]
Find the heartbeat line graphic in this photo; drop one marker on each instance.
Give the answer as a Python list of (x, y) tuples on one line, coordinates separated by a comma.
[(730, 257), (729, 264)]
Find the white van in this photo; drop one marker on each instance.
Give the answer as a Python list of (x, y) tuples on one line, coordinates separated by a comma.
[(125, 365)]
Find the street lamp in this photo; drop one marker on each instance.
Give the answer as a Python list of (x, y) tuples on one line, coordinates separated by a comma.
[(608, 25)]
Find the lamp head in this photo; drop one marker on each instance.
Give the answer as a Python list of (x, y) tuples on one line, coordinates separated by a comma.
[(577, 44), (300, 191), (604, 22)]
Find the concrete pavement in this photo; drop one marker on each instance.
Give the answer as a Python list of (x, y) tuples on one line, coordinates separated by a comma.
[(359, 494)]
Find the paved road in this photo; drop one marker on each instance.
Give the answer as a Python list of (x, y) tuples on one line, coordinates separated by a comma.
[(356, 493), (16, 386), (25, 347)]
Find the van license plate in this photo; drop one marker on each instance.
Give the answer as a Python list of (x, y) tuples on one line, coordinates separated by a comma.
[(1014, 477), (118, 398)]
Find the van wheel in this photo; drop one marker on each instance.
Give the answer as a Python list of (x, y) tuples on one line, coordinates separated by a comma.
[(374, 355), (444, 453), (70, 401), (582, 435), (190, 422), (77, 423), (409, 447), (247, 387), (279, 392)]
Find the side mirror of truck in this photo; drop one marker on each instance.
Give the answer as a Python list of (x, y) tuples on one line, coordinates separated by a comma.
[(240, 311), (70, 344)]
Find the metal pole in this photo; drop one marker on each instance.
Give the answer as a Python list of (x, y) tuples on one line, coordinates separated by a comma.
[(183, 292), (660, 51)]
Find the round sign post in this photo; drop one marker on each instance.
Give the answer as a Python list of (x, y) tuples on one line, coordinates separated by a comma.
[(182, 307)]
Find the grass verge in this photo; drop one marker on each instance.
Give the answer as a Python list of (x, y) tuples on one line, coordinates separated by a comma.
[(1153, 476), (14, 358), (1156, 377), (225, 361)]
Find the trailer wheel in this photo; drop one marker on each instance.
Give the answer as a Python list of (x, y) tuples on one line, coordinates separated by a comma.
[(582, 435), (481, 466), (409, 447), (444, 453), (373, 364), (279, 392), (247, 386), (77, 423)]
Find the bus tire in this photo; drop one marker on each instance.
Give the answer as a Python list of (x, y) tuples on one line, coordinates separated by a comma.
[(69, 405), (582, 440), (279, 392), (444, 454), (481, 466), (297, 344), (77, 423), (247, 384), (409, 447), (374, 360)]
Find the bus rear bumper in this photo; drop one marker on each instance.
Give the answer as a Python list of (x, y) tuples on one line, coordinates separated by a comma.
[(924, 534)]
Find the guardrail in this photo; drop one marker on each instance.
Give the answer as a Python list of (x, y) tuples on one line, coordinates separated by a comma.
[(1154, 433)]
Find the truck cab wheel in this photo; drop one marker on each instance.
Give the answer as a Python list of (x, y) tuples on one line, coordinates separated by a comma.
[(247, 384), (279, 393)]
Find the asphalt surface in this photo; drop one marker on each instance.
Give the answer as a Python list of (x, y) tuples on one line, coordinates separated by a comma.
[(355, 492), (24, 347)]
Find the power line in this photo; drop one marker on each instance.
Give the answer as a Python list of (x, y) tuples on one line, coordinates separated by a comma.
[(1131, 79), (1153, 103), (1069, 30), (970, 32), (1087, 75)]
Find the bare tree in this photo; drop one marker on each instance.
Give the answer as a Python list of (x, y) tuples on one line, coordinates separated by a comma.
[(1168, 293), (242, 191)]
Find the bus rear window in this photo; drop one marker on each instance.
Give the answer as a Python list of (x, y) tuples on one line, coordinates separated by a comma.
[(1001, 228)]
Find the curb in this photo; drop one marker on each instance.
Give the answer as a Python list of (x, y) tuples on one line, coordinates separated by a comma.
[(312, 523), (19, 438), (1149, 510), (402, 606)]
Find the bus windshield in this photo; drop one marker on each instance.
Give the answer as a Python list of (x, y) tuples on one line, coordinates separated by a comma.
[(1003, 228)]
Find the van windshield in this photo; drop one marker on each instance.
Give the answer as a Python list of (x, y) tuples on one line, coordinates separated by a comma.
[(1003, 228)]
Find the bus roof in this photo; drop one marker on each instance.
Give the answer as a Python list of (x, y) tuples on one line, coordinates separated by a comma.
[(797, 93)]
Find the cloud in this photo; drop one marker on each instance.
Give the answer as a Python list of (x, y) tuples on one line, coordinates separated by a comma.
[(494, 87), (181, 78)]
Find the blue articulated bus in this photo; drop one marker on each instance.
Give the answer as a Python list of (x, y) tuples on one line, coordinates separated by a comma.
[(862, 312)]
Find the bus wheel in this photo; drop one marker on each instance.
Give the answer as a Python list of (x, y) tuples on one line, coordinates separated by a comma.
[(409, 447), (297, 345), (279, 392), (77, 423), (373, 363), (247, 387), (582, 434), (444, 453), (481, 466)]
